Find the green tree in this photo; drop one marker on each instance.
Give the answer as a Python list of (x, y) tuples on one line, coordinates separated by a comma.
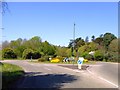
[(84, 54), (101, 36), (48, 49), (18, 47), (113, 51), (27, 54), (34, 43), (88, 48), (107, 38), (99, 55), (36, 55), (8, 53), (62, 51), (89, 57), (113, 45), (93, 46), (83, 49), (93, 38), (78, 43), (99, 40), (68, 52)]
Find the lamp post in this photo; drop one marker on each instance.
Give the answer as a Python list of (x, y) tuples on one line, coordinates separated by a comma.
[(73, 43), (74, 39)]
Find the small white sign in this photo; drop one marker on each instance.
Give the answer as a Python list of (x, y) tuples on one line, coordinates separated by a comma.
[(80, 62)]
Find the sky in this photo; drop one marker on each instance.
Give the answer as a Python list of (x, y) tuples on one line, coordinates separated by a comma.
[(54, 21)]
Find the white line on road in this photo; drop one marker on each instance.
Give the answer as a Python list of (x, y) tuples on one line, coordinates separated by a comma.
[(48, 65), (47, 69), (108, 81), (71, 69), (78, 71), (103, 79)]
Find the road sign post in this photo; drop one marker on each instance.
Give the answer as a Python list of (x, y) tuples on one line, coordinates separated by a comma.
[(80, 62), (31, 58)]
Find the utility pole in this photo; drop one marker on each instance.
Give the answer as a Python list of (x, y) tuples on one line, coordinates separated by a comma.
[(74, 37), (73, 42)]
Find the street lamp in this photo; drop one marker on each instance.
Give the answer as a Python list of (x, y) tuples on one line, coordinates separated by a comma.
[(73, 43), (74, 39)]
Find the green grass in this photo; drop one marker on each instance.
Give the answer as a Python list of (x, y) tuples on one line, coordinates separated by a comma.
[(10, 73)]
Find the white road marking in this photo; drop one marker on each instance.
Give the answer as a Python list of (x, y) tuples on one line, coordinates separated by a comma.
[(47, 69), (108, 81), (78, 71), (103, 79), (71, 69), (95, 65), (48, 65)]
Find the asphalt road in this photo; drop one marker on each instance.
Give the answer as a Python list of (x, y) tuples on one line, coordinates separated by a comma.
[(107, 71), (54, 76)]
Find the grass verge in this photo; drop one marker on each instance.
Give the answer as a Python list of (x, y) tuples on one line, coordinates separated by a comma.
[(10, 73)]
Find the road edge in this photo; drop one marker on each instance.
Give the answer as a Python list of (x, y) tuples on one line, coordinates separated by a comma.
[(117, 86)]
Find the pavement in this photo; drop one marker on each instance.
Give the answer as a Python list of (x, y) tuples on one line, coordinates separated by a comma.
[(56, 76)]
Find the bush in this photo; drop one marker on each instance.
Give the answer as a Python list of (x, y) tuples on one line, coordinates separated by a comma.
[(55, 60), (84, 54), (60, 58), (8, 53), (36, 55), (42, 59), (85, 60), (46, 58), (89, 57), (113, 56), (99, 55), (27, 54)]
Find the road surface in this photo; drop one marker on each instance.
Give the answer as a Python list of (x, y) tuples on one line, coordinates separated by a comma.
[(106, 70), (54, 76)]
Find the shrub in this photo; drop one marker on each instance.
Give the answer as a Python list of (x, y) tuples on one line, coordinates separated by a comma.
[(27, 54), (55, 60), (99, 55), (42, 59), (60, 58), (84, 54), (36, 55), (8, 53), (85, 60), (89, 57), (113, 56), (46, 58)]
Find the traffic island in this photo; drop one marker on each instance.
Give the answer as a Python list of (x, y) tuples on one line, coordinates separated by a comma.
[(83, 67)]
